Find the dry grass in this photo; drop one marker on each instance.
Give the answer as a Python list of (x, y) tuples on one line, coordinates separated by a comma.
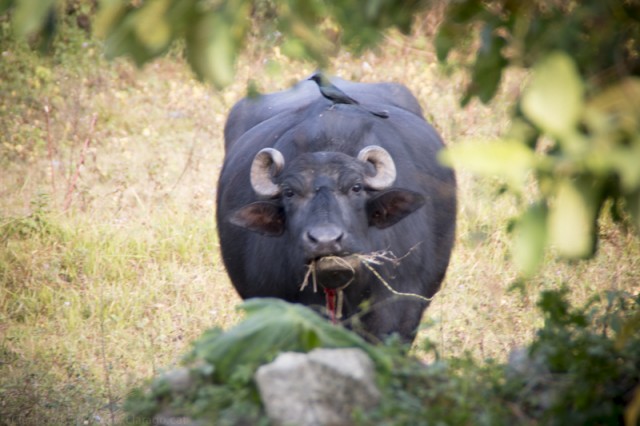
[(97, 298)]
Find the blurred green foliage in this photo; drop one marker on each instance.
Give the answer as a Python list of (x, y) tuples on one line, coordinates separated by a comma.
[(576, 125), (215, 31), (582, 368)]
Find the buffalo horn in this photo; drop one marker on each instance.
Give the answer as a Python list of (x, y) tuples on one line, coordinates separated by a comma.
[(383, 163), (267, 164)]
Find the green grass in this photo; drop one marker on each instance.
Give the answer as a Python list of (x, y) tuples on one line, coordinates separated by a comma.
[(90, 308), (97, 298)]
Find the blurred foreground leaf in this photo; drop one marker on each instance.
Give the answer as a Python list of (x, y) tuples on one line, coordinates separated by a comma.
[(579, 111), (507, 159), (572, 217), (151, 27), (530, 239), (487, 69), (30, 16), (554, 98)]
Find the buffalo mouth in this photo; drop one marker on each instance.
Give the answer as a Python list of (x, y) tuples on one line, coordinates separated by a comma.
[(335, 272)]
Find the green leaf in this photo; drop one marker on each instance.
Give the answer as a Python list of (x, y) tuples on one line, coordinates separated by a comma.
[(465, 11), (295, 49), (108, 16), (151, 26), (446, 39), (273, 326), (6, 5), (554, 98), (522, 130), (508, 159), (530, 239), (213, 42), (573, 215), (220, 55), (487, 69), (626, 163), (313, 43), (554, 304), (122, 41), (30, 16)]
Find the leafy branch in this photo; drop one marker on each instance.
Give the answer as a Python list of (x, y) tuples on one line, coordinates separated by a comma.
[(575, 127), (576, 123)]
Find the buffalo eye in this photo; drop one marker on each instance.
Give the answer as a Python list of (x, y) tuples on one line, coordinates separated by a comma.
[(288, 192), (357, 187)]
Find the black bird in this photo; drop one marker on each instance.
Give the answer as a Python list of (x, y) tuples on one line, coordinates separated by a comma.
[(337, 96)]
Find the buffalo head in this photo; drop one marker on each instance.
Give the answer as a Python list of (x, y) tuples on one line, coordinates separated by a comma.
[(325, 203)]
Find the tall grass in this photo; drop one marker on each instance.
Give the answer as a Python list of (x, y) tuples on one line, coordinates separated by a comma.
[(96, 298), (89, 308)]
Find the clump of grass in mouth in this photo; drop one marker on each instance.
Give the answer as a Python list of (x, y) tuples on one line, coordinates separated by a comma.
[(314, 266), (368, 260)]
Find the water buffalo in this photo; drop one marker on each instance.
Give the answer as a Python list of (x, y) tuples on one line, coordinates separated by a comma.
[(325, 204)]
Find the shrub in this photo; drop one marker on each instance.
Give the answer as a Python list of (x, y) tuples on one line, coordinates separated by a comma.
[(581, 369)]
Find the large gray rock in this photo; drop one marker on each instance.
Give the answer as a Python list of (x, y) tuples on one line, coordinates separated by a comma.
[(322, 387)]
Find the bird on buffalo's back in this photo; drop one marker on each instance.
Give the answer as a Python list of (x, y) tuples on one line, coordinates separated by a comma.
[(337, 96)]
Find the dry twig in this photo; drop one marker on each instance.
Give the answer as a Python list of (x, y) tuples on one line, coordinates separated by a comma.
[(74, 179), (47, 111)]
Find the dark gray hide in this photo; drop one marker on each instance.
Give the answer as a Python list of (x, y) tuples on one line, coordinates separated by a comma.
[(322, 195)]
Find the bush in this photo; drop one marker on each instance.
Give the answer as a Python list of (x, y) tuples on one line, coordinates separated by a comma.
[(217, 384), (581, 369)]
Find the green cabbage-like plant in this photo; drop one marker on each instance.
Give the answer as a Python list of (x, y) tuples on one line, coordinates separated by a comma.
[(216, 381)]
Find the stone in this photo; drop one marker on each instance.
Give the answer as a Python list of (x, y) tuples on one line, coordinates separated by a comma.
[(179, 380), (320, 388)]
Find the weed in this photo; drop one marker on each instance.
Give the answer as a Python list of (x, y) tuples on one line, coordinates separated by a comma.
[(34, 225)]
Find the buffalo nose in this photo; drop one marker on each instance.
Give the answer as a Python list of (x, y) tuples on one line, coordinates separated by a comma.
[(323, 240)]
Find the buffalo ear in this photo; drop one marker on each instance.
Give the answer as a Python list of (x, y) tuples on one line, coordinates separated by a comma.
[(389, 207), (263, 217)]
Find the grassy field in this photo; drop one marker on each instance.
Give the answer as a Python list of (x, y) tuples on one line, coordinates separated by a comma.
[(109, 262)]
